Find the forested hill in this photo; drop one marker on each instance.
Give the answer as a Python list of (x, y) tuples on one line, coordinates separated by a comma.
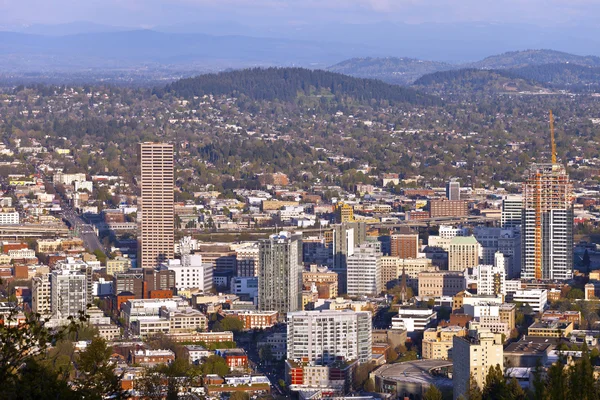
[(561, 75), (287, 84), (475, 81), (517, 59)]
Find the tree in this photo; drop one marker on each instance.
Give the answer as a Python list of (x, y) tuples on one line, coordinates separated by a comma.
[(229, 324), (24, 342), (361, 375), (432, 393), (576, 293), (557, 381), (266, 353), (391, 355), (473, 390), (495, 384), (539, 382), (97, 378)]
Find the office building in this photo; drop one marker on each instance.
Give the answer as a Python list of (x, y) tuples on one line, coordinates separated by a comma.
[(404, 245), (512, 208), (392, 269), (463, 253), (437, 342), (364, 271), (344, 239), (474, 356), (537, 299), (547, 224), (441, 283), (280, 273), (322, 337), (247, 260), (488, 238), (156, 233), (490, 280), (509, 244), (118, 264), (453, 190), (324, 280), (344, 212), (412, 320), (448, 208), (9, 218), (41, 295), (190, 272)]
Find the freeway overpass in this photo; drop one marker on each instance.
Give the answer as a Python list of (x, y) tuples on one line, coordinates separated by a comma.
[(33, 230)]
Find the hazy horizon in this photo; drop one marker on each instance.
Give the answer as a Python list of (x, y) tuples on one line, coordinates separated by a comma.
[(155, 13)]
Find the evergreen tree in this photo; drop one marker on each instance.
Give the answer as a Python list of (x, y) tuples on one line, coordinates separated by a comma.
[(432, 393), (557, 385), (473, 391), (495, 384)]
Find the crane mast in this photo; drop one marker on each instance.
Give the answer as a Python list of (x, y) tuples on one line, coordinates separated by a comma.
[(553, 142)]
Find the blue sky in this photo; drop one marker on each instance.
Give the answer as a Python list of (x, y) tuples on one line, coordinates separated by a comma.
[(148, 13)]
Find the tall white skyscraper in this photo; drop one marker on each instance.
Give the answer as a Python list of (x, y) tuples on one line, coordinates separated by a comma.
[(280, 273), (364, 271), (322, 336), (547, 224), (156, 203)]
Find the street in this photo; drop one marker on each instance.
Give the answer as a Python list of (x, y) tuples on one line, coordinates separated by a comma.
[(84, 231)]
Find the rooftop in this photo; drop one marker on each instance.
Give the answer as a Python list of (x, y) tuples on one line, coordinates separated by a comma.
[(528, 347), (464, 240), (419, 371)]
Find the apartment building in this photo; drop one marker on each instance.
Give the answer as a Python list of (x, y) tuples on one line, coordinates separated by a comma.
[(437, 342), (280, 273), (474, 356), (324, 336)]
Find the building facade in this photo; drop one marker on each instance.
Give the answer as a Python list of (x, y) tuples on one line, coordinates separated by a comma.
[(474, 356), (547, 224), (463, 253), (324, 336), (156, 204), (364, 271), (280, 273)]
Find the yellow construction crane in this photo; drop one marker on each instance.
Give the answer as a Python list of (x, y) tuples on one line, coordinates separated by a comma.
[(552, 138)]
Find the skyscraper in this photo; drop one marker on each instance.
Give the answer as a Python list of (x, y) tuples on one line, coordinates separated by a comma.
[(547, 224), (364, 271), (345, 237), (156, 234), (453, 190), (280, 273)]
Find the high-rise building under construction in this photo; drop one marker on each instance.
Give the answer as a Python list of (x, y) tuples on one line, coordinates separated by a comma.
[(547, 224)]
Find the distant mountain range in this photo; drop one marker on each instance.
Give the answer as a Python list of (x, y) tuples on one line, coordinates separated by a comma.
[(23, 52), (405, 71)]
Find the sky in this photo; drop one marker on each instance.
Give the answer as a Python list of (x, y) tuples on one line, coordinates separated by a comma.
[(151, 13)]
